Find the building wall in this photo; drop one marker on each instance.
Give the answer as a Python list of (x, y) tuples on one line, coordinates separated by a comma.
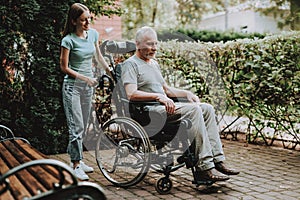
[(244, 21), (108, 28)]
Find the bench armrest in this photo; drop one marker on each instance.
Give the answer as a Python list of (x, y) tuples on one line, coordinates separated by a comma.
[(5, 132), (60, 166), (76, 189), (84, 190)]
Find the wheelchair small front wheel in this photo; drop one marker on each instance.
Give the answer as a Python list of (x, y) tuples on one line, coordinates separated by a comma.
[(163, 185)]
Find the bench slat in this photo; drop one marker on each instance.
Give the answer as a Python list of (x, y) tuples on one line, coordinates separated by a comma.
[(30, 174), (33, 154), (38, 172), (21, 192), (35, 179)]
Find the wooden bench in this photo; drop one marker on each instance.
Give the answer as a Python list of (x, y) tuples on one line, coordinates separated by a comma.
[(26, 173)]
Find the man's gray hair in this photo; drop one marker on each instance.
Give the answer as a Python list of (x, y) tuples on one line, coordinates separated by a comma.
[(144, 31)]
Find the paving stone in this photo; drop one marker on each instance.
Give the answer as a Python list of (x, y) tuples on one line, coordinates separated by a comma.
[(266, 173), (247, 198)]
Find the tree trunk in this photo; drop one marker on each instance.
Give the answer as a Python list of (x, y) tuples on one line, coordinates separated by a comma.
[(154, 13), (295, 13)]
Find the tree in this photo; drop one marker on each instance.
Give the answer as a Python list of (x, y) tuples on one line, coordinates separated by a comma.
[(287, 10), (295, 14), (139, 13), (30, 34), (175, 14), (107, 7), (190, 12), (168, 14)]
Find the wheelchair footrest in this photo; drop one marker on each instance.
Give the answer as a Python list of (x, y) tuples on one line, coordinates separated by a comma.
[(189, 159), (202, 182), (198, 180)]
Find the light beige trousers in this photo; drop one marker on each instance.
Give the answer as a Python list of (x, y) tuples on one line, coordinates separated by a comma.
[(204, 130)]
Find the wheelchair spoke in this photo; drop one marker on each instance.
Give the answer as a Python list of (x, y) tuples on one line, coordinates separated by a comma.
[(122, 152)]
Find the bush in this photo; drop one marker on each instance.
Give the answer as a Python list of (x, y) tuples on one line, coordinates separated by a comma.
[(30, 76), (183, 35), (257, 78)]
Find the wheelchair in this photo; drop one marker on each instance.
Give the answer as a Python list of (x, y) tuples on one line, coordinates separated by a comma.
[(135, 140)]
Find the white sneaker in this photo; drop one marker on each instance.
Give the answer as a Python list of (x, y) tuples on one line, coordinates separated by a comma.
[(80, 174), (85, 168)]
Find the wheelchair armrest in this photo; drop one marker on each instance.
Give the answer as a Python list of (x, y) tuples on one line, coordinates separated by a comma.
[(180, 99), (145, 103), (140, 103)]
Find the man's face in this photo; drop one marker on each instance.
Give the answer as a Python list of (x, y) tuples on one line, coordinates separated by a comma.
[(147, 47)]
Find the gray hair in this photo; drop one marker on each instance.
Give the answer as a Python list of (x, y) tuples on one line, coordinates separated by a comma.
[(145, 30)]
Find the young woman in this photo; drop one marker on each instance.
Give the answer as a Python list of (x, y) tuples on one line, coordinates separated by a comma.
[(78, 46)]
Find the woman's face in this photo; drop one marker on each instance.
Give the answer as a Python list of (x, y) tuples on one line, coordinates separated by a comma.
[(82, 23)]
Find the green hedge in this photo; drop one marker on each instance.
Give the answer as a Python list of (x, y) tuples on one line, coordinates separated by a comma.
[(255, 78), (206, 35), (30, 98)]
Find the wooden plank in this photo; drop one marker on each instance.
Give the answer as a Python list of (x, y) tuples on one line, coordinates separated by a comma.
[(33, 153), (31, 181), (17, 190), (3, 169), (35, 178), (28, 150)]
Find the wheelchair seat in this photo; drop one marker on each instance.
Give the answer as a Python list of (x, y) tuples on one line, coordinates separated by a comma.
[(153, 122)]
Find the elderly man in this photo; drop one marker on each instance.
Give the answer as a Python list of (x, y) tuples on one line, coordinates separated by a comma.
[(143, 81)]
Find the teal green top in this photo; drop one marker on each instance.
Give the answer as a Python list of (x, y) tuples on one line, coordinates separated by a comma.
[(81, 52)]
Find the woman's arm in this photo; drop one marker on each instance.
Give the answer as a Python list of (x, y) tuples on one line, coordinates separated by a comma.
[(64, 66), (100, 59)]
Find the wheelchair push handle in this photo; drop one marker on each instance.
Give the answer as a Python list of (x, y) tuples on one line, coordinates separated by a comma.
[(111, 46), (120, 47)]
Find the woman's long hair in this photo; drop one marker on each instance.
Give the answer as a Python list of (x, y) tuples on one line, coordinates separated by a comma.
[(74, 12)]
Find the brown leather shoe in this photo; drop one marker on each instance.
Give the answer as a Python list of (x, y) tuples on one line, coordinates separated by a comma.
[(220, 166), (211, 175)]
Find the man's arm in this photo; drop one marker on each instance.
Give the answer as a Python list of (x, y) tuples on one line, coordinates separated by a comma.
[(175, 92), (134, 94)]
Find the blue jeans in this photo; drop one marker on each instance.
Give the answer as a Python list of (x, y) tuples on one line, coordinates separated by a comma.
[(77, 100)]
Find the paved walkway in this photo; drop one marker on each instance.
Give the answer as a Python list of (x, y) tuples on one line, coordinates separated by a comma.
[(266, 173)]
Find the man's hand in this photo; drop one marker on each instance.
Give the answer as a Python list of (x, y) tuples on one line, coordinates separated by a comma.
[(169, 103), (192, 98)]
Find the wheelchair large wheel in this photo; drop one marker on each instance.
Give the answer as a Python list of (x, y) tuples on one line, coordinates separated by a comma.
[(123, 152)]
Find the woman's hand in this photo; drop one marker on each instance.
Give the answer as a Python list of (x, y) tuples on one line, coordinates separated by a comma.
[(110, 73), (92, 82)]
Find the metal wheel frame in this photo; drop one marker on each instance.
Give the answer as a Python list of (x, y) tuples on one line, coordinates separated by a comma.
[(127, 160)]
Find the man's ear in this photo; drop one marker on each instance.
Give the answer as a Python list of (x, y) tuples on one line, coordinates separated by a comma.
[(137, 45)]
